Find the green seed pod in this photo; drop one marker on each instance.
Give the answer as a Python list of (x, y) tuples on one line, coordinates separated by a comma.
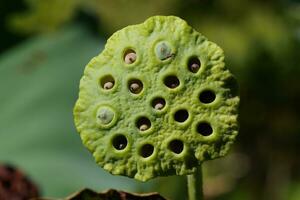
[(170, 103)]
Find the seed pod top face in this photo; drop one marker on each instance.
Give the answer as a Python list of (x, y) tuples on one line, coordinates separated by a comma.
[(171, 103)]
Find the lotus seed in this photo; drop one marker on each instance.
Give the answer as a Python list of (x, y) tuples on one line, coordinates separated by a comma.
[(143, 127), (105, 115), (108, 85), (194, 65), (143, 123), (130, 58), (135, 86), (159, 106), (158, 103), (163, 51)]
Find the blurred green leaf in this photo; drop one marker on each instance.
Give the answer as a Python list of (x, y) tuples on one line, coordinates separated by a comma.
[(39, 86), (44, 16)]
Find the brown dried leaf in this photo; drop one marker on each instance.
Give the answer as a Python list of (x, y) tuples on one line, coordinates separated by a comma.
[(14, 185), (87, 194)]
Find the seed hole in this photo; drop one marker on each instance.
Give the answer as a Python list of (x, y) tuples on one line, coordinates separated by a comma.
[(204, 129), (181, 115), (143, 123), (171, 81), (146, 150), (176, 146), (107, 82), (194, 64), (135, 86), (158, 103), (119, 142), (129, 56), (207, 96)]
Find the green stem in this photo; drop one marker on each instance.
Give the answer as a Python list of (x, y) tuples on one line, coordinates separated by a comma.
[(195, 187)]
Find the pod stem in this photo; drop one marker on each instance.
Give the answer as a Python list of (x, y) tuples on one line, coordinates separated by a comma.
[(195, 187)]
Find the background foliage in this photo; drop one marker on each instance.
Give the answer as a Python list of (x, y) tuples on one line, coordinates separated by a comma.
[(46, 44)]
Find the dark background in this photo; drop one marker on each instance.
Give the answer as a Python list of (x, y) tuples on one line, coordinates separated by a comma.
[(44, 46)]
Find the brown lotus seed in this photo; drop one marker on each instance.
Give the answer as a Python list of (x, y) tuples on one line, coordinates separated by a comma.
[(130, 58), (195, 67), (194, 64)]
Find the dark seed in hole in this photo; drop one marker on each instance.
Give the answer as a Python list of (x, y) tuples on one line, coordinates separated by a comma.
[(194, 64), (181, 115), (158, 103), (207, 96), (146, 150), (120, 142), (171, 81), (176, 146), (107, 82), (135, 86), (130, 56), (143, 124), (204, 129)]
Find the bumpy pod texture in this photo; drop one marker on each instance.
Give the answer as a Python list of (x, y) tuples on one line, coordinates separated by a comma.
[(157, 101)]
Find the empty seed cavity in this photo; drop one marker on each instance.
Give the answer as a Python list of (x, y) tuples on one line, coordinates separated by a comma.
[(171, 81), (119, 142), (158, 103), (135, 86), (181, 115), (143, 123), (146, 150), (194, 64), (107, 82), (204, 129), (163, 51), (207, 96), (176, 146), (129, 56)]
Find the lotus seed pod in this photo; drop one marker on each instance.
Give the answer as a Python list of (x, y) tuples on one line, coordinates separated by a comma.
[(173, 106)]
